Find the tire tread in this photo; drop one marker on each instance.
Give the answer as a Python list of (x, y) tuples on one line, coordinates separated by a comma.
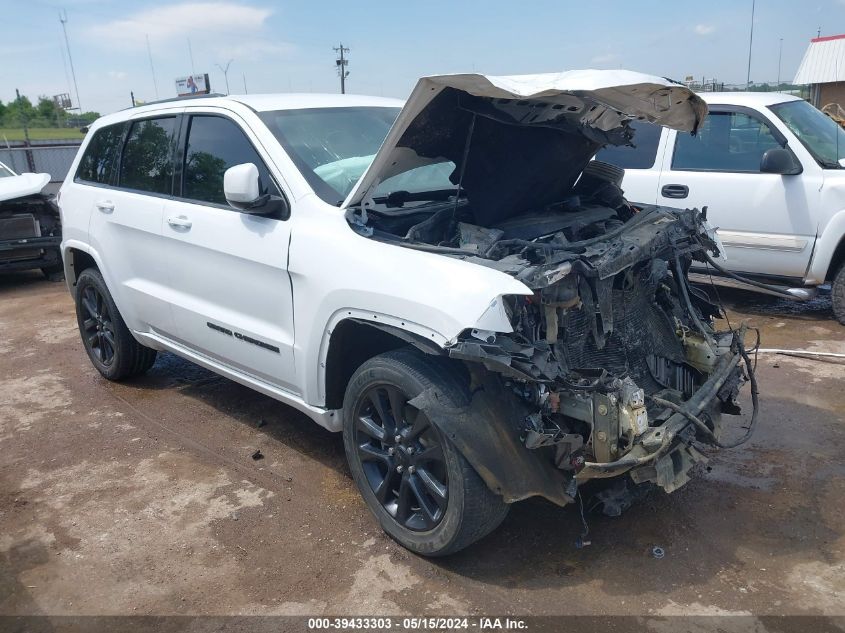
[(838, 294)]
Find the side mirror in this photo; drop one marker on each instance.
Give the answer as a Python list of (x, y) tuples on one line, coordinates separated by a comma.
[(241, 188), (779, 160)]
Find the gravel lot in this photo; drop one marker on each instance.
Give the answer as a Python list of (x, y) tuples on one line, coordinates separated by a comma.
[(142, 498)]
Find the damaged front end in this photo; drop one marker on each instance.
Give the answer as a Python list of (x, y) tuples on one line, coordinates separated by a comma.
[(30, 225), (615, 356), (614, 365)]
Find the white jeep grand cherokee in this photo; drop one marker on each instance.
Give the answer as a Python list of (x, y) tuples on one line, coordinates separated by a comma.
[(455, 285)]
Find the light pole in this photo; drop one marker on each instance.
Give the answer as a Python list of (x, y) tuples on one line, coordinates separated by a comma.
[(780, 55), (226, 72), (63, 20), (750, 42)]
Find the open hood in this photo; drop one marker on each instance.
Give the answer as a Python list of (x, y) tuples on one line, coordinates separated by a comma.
[(523, 139), (12, 187)]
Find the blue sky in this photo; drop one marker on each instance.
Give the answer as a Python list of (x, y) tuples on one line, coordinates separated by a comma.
[(287, 46)]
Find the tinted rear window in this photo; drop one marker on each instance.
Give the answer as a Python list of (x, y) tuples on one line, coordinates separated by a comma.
[(641, 155), (100, 158), (147, 160)]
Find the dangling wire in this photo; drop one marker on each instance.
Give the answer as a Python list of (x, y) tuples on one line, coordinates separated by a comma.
[(585, 529)]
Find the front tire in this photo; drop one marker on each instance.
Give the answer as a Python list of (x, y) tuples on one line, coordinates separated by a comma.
[(109, 343), (838, 294), (421, 489)]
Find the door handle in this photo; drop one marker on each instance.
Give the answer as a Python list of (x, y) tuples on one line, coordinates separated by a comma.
[(105, 206), (675, 191), (179, 222)]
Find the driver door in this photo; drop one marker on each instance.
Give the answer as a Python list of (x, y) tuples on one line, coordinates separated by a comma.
[(764, 220), (232, 298)]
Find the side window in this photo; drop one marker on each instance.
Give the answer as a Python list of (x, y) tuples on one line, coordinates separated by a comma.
[(215, 144), (642, 155), (147, 160), (100, 158), (728, 141)]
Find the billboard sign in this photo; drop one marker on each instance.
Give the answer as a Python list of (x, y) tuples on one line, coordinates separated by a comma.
[(192, 85)]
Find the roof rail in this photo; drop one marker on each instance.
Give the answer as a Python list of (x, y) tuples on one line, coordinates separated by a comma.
[(182, 98)]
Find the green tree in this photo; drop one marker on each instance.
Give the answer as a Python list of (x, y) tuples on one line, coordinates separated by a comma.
[(18, 111)]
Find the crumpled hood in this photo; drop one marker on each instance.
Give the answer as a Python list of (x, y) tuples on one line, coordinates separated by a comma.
[(523, 122), (12, 187)]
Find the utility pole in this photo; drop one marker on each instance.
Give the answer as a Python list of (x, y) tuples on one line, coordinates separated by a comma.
[(226, 73), (152, 68), (750, 42), (341, 62), (780, 56), (28, 152), (63, 20), (246, 92)]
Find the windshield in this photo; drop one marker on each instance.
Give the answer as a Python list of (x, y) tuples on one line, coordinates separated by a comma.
[(332, 147), (820, 134), (5, 171)]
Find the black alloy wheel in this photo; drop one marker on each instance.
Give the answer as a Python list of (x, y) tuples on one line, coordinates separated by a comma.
[(97, 326), (412, 477), (112, 348), (402, 458)]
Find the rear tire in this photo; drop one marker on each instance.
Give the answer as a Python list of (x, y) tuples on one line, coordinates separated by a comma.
[(447, 506), (838, 294), (109, 343)]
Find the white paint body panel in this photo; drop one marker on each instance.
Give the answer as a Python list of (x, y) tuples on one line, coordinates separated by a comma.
[(12, 187), (785, 226)]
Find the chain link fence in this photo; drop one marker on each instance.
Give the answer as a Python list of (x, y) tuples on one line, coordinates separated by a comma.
[(48, 157)]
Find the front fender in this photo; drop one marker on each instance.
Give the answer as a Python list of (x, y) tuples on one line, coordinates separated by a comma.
[(830, 237)]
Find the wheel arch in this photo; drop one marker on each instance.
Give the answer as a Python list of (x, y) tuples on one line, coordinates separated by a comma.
[(836, 260), (77, 258), (355, 340), (828, 251)]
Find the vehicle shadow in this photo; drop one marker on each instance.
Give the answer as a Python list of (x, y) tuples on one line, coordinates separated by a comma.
[(17, 282), (751, 303), (727, 517), (745, 500), (275, 421)]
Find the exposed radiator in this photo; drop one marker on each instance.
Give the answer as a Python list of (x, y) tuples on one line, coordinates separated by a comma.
[(19, 226), (640, 330)]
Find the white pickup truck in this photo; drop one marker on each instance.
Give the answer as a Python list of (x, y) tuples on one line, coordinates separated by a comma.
[(768, 167)]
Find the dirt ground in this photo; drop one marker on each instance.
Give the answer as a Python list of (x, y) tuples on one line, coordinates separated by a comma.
[(142, 498)]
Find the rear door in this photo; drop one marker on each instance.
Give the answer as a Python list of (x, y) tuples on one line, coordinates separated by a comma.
[(764, 220), (641, 161), (231, 293), (125, 226)]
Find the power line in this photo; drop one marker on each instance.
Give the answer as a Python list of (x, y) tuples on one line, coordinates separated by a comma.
[(63, 20), (341, 62)]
